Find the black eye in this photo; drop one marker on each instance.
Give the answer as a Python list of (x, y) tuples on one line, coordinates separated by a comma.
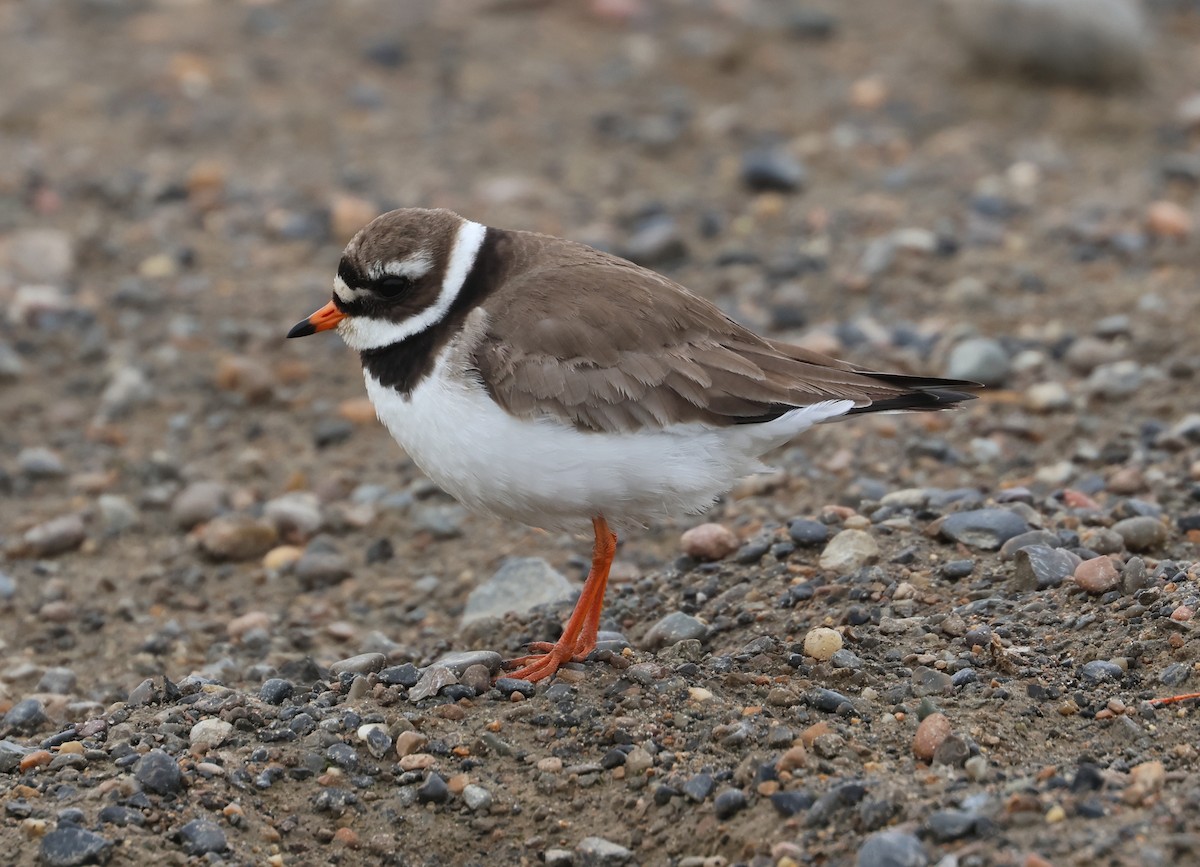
[(390, 287)]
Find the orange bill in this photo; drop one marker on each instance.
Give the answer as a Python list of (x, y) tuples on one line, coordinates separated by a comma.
[(324, 319)]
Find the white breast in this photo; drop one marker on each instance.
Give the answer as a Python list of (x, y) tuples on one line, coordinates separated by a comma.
[(547, 474)]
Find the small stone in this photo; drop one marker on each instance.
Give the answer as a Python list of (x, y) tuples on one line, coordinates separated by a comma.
[(849, 551), (440, 520), (26, 715), (209, 733), (321, 568), (977, 768), (237, 537), (281, 558), (772, 169), (197, 503), (521, 584), (1039, 567), (979, 359), (56, 536), (953, 751), (459, 661), (822, 643), (930, 681), (1047, 397), (200, 836), (788, 804), (433, 680), (159, 773), (1141, 533), (249, 378), (296, 516), (1166, 219), (364, 663), (70, 845), (406, 675), (808, 533), (40, 463), (946, 825), (477, 798), (986, 529), (57, 680), (1176, 674), (672, 629), (892, 849), (1117, 380), (434, 790), (477, 677), (729, 803), (709, 542), (1097, 575), (656, 241), (276, 690), (930, 734), (598, 851), (11, 755), (699, 787), (410, 742), (1099, 670)]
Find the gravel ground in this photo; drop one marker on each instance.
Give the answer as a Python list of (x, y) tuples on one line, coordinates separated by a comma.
[(237, 625)]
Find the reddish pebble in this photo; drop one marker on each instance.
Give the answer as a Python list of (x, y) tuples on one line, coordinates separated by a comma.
[(1182, 614), (36, 759), (346, 837), (932, 731), (1168, 220), (1073, 499), (709, 542), (1097, 575)]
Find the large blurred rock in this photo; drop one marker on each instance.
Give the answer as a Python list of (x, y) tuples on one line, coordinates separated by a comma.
[(520, 584), (1097, 42)]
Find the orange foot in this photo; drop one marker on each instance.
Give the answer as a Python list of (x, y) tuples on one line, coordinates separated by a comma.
[(579, 634)]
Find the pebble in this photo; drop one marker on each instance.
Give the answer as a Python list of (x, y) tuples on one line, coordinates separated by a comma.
[(26, 715), (1047, 397), (237, 537), (1100, 670), (1117, 380), (979, 359), (209, 733), (672, 629), (1097, 575), (520, 585), (1141, 533), (729, 803), (808, 533), (70, 845), (434, 790), (197, 503), (432, 681), (321, 568), (200, 837), (363, 663), (406, 675), (849, 551), (699, 787), (709, 542), (986, 529), (38, 462), (1166, 219), (1097, 42), (598, 851), (930, 734), (822, 643), (788, 804), (656, 242), (477, 798), (946, 825), (127, 388), (772, 169), (56, 536), (276, 690), (159, 773), (892, 849), (1039, 567), (44, 255), (440, 520), (57, 680), (8, 587), (296, 516), (1045, 538), (459, 661)]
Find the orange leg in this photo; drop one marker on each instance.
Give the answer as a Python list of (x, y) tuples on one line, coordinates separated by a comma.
[(579, 634)]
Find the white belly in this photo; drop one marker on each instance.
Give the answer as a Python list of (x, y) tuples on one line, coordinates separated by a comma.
[(547, 474)]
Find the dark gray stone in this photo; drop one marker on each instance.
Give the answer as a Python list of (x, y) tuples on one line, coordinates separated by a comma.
[(25, 716), (159, 773), (70, 845), (987, 529), (200, 836), (772, 169), (672, 629), (276, 690), (729, 803), (892, 849), (808, 533), (1039, 567)]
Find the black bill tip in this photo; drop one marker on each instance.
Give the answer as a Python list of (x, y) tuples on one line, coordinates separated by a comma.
[(303, 328)]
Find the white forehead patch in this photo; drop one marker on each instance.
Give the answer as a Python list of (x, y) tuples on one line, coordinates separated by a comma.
[(342, 291), (417, 265)]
